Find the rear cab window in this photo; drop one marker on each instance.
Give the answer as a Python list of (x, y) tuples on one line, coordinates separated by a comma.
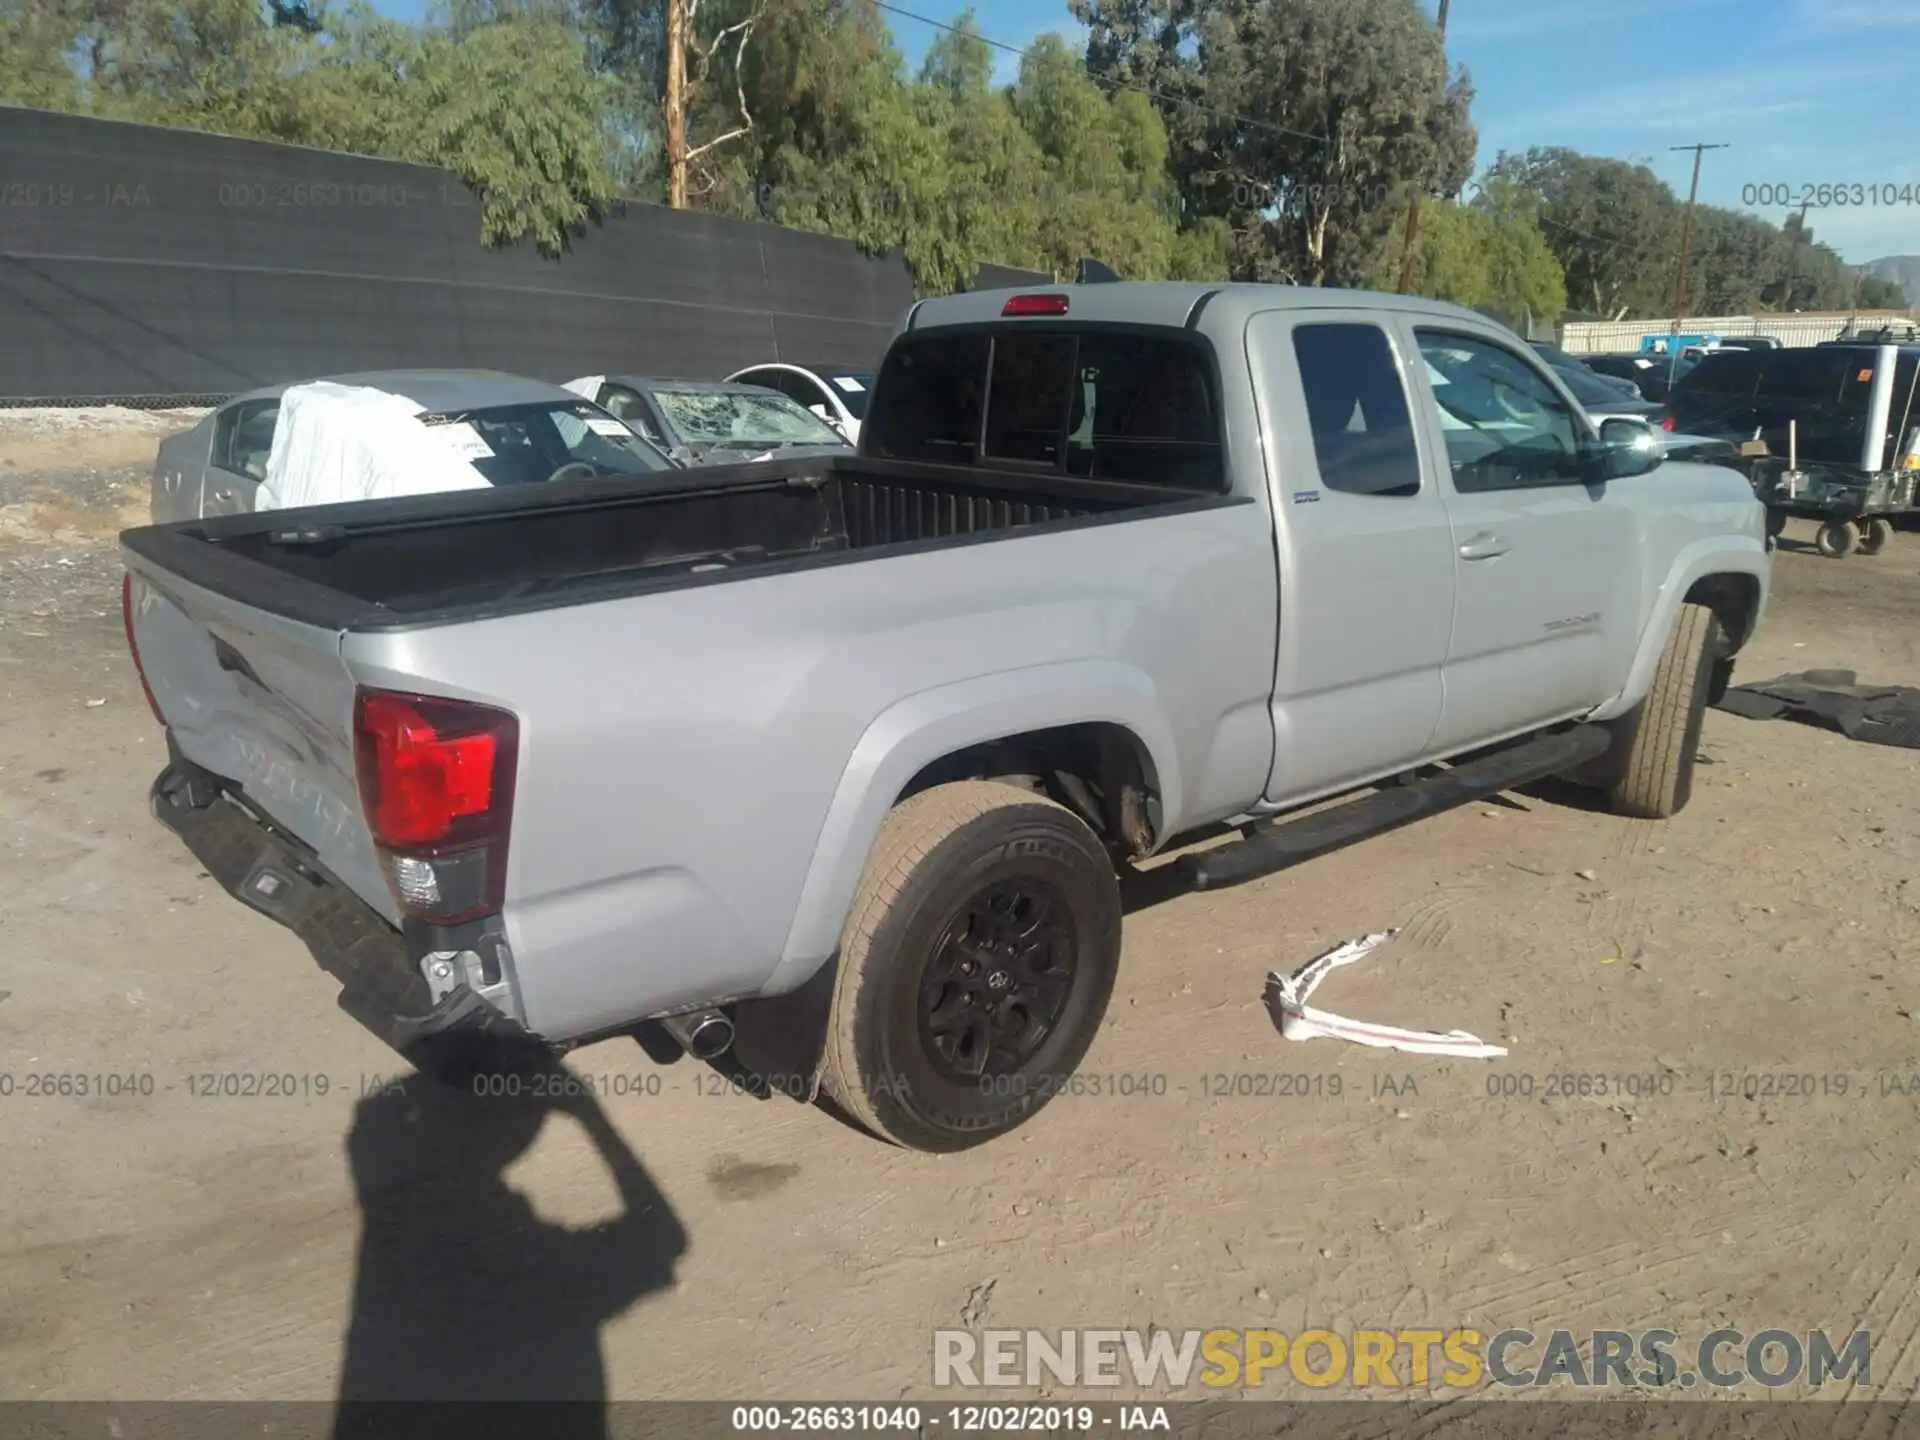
[(1100, 403)]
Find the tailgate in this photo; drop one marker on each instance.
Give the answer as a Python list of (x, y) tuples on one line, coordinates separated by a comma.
[(267, 704)]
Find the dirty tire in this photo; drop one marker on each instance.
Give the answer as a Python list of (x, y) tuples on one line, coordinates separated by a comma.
[(1658, 739), (937, 852), (1837, 539), (1874, 535)]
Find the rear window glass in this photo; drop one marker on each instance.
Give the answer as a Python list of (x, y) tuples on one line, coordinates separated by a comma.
[(934, 391), (1031, 393), (1107, 405), (1730, 373), (1813, 375)]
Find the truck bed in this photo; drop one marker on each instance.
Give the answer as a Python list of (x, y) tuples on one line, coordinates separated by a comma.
[(480, 554)]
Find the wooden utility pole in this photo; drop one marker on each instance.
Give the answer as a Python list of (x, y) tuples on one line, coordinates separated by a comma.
[(1413, 200), (1793, 256), (677, 104), (1686, 230)]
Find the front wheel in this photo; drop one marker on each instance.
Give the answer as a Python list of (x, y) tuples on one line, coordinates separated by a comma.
[(975, 966), (1657, 740)]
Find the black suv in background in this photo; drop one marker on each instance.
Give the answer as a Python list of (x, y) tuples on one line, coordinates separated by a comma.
[(1744, 394)]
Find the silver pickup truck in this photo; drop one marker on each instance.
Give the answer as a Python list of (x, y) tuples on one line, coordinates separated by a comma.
[(1116, 566)]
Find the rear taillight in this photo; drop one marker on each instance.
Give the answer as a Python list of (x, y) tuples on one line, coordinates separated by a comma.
[(1666, 423), (436, 782), (133, 647)]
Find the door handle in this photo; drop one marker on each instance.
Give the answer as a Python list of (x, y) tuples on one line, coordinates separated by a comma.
[(1483, 546), (225, 497)]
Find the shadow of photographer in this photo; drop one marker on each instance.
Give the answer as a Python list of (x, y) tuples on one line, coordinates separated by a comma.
[(462, 1292)]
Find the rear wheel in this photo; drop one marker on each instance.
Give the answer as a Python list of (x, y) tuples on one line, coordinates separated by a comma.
[(1837, 539), (1656, 741), (975, 967), (1874, 535)]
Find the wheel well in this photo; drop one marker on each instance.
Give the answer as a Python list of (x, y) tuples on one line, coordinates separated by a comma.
[(1734, 600), (1100, 771)]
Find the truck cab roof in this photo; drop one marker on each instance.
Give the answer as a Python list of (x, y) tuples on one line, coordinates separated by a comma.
[(1172, 303)]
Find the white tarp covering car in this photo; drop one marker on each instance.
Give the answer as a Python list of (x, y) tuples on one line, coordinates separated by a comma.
[(377, 434), (351, 442)]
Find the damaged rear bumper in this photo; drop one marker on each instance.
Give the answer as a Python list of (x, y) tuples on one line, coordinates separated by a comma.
[(383, 972)]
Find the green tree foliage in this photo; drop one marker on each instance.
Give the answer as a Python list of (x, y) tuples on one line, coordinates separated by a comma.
[(1614, 226), (1193, 139), (1303, 123), (948, 169), (1616, 230), (34, 37), (510, 105), (1475, 255)]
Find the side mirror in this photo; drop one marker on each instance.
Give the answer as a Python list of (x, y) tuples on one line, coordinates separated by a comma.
[(1628, 446)]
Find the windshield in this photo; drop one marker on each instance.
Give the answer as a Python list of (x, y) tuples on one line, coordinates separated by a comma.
[(529, 444), (742, 418)]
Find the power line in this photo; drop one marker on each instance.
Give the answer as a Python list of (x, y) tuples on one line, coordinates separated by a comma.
[(1146, 90)]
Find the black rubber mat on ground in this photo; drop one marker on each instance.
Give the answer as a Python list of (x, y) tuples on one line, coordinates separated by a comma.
[(1874, 714)]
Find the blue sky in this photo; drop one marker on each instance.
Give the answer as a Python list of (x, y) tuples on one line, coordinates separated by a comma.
[(1806, 92)]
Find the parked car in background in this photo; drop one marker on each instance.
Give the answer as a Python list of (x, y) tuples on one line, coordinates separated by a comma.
[(836, 393), (1653, 375), (1562, 361), (1699, 449), (1748, 342), (591, 754), (383, 433), (713, 422), (1602, 395)]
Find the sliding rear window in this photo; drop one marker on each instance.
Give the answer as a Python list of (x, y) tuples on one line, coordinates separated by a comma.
[(1102, 404)]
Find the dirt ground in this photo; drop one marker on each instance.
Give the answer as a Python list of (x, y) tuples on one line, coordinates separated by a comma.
[(160, 1242)]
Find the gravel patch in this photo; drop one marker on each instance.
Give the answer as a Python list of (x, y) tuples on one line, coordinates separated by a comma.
[(86, 420), (44, 592)]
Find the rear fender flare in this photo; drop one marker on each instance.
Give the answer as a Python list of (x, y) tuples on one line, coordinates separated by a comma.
[(1716, 556), (913, 733)]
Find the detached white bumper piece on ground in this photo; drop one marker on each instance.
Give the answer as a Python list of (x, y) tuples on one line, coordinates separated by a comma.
[(336, 443), (1300, 1021)]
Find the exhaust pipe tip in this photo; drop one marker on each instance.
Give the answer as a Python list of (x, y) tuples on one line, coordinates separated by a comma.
[(703, 1034)]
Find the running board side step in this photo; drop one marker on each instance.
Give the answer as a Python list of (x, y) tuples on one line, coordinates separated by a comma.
[(1280, 844)]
